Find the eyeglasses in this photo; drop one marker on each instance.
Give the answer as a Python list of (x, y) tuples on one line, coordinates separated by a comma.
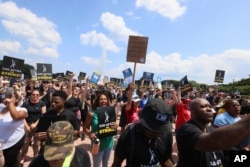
[(35, 94)]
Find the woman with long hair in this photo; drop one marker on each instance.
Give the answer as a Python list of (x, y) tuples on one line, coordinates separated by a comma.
[(106, 143)]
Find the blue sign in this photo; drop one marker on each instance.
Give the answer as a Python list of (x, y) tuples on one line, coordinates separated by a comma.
[(95, 78), (148, 76), (127, 73)]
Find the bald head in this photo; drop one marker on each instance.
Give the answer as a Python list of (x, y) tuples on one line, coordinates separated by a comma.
[(201, 110), (194, 104)]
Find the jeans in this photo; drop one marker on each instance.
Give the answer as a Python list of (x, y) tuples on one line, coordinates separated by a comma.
[(102, 157)]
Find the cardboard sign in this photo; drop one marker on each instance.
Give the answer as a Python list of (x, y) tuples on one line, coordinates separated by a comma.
[(116, 81), (68, 73), (165, 84), (219, 76), (146, 83), (12, 67), (137, 49), (105, 79), (95, 78), (127, 73), (106, 115), (184, 85), (138, 83), (44, 71), (82, 76), (147, 76), (59, 75), (33, 74)]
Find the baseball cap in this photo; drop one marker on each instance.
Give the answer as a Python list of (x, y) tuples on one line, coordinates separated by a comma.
[(156, 116), (60, 142), (136, 98)]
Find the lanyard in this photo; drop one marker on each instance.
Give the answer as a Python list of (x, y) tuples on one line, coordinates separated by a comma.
[(68, 159)]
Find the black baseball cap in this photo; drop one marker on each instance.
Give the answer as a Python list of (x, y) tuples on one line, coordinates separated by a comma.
[(156, 116)]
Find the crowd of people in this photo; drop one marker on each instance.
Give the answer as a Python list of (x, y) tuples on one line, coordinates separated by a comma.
[(203, 124)]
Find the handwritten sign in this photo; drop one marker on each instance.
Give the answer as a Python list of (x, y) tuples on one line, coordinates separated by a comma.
[(137, 49)]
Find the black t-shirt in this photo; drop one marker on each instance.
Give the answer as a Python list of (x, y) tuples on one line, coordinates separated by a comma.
[(186, 138), (73, 104), (123, 119), (137, 149), (34, 110), (80, 159), (70, 116), (119, 97)]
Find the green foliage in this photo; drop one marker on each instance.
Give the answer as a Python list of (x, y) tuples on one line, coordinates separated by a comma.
[(243, 86)]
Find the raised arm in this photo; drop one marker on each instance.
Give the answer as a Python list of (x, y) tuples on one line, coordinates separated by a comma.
[(83, 95), (129, 94), (70, 84), (11, 106), (224, 137)]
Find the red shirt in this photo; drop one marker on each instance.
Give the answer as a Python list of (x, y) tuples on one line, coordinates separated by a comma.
[(132, 115), (183, 115)]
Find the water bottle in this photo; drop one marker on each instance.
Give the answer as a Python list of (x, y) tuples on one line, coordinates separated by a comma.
[(83, 105), (95, 147)]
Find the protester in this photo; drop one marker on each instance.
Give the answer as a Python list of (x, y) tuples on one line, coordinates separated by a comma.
[(182, 108), (123, 120), (12, 128), (85, 108), (231, 114), (149, 142), (245, 106), (28, 89), (199, 145), (57, 109), (92, 126), (36, 108), (46, 93), (132, 107), (59, 150), (130, 113), (76, 98)]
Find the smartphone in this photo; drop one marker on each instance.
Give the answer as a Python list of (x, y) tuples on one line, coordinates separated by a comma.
[(9, 92)]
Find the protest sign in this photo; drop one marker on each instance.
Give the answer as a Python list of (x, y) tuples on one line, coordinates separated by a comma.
[(106, 115)]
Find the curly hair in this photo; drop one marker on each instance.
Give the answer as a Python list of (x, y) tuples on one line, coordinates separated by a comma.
[(96, 102), (61, 94)]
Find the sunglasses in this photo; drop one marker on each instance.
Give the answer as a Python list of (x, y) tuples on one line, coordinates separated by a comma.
[(35, 94)]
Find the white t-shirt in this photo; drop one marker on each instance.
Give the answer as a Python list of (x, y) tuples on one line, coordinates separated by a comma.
[(10, 131)]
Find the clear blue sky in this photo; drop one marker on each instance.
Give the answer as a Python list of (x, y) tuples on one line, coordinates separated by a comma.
[(186, 37)]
